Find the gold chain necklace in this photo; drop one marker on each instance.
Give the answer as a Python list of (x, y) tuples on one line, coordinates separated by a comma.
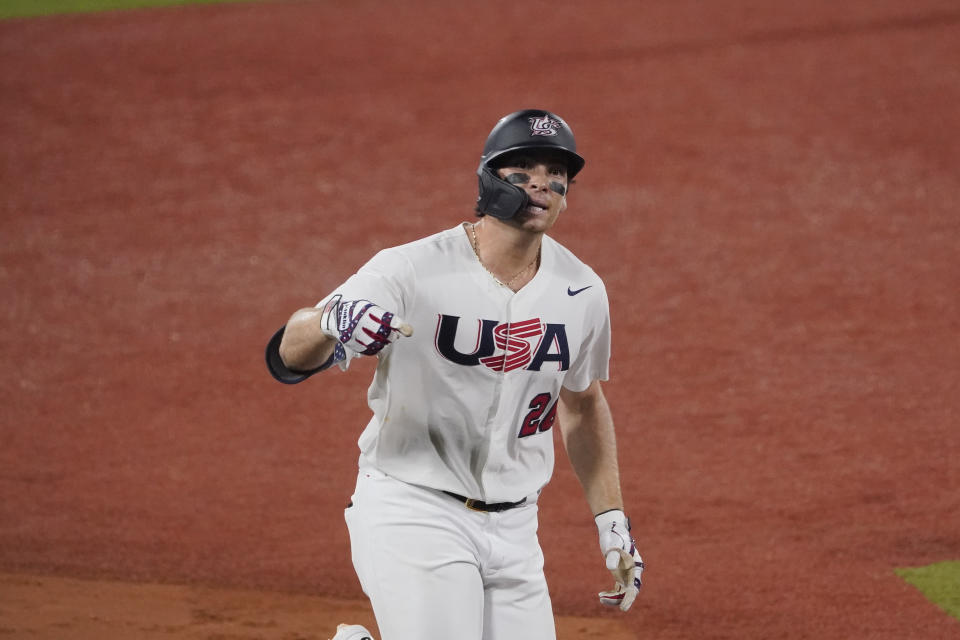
[(476, 251)]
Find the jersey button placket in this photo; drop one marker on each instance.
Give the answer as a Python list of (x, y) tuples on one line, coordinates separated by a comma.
[(500, 442)]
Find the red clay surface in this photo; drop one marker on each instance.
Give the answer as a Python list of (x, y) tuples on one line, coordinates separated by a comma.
[(771, 195)]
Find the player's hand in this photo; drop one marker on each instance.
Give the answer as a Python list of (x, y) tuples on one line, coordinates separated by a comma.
[(620, 553), (360, 325)]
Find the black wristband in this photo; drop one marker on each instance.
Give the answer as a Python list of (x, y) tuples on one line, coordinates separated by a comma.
[(285, 374)]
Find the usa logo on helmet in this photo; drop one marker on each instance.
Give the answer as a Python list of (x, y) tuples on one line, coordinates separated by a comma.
[(544, 126)]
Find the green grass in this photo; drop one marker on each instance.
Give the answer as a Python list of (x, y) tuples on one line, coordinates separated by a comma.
[(940, 583), (29, 8)]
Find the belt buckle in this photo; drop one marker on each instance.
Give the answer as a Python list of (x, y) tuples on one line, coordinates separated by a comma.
[(472, 504)]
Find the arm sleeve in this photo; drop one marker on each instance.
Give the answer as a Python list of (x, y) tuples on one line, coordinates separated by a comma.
[(386, 280), (593, 360)]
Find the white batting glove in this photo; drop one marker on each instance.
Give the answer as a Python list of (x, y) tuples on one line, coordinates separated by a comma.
[(620, 553), (360, 325)]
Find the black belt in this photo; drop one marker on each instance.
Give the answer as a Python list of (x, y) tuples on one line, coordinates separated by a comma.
[(480, 505)]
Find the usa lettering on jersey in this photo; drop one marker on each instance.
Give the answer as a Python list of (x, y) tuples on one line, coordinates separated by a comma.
[(527, 344)]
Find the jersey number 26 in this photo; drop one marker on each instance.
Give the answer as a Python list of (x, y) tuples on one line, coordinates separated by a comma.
[(539, 419)]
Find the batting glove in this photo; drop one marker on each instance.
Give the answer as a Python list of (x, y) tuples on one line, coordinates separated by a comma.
[(360, 325), (620, 553)]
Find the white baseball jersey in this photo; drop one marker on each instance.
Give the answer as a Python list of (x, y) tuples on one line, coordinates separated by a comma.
[(467, 404)]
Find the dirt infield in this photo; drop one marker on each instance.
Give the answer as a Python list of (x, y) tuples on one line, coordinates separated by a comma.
[(771, 196), (52, 608)]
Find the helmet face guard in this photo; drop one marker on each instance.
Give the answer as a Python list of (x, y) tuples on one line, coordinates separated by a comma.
[(533, 129)]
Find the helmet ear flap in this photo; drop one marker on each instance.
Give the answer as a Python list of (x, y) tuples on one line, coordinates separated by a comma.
[(499, 198)]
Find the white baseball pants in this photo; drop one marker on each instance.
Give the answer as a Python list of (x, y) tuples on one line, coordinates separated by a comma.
[(435, 570)]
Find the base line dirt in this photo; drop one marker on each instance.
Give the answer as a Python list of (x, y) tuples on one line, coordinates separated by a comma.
[(54, 608)]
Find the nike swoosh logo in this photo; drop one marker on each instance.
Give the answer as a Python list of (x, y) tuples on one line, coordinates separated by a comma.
[(571, 292)]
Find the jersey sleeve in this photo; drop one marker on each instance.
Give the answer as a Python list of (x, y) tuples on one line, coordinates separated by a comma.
[(386, 280), (593, 360)]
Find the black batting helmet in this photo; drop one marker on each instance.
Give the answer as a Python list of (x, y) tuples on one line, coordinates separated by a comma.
[(527, 129)]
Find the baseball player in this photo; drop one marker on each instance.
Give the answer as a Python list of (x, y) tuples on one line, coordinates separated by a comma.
[(487, 335)]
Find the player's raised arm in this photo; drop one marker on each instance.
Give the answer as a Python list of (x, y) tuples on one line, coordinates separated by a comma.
[(304, 345), (315, 338)]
